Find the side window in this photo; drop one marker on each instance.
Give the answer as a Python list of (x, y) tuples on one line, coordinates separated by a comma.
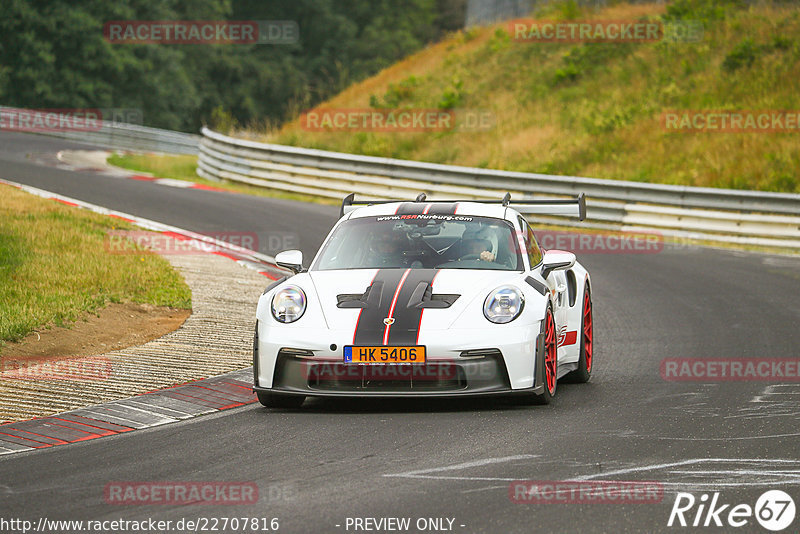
[(532, 246)]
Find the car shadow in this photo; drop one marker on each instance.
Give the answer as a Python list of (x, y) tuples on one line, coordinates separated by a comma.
[(332, 405)]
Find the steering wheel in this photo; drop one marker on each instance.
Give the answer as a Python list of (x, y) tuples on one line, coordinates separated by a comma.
[(470, 257)]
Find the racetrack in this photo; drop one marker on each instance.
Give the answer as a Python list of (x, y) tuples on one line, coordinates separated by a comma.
[(335, 459)]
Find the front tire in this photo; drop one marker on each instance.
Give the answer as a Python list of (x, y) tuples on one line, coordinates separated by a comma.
[(583, 373), (276, 400)]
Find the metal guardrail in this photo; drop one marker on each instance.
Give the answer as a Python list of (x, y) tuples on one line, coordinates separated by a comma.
[(117, 135), (719, 215), (487, 12)]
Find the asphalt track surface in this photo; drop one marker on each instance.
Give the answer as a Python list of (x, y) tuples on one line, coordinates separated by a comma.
[(338, 459)]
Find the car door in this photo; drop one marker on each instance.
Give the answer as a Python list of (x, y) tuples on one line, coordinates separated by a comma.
[(556, 282)]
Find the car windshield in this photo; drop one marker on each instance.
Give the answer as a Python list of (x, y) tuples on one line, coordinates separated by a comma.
[(440, 242)]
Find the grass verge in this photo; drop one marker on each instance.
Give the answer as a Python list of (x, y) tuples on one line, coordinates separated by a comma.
[(180, 167), (54, 266), (595, 109)]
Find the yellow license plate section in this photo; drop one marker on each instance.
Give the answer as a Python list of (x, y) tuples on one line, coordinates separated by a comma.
[(382, 354)]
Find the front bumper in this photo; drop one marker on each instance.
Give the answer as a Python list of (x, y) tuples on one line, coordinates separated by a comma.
[(467, 372), (480, 374)]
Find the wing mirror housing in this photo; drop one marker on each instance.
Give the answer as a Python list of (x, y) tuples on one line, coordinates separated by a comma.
[(290, 259), (556, 260)]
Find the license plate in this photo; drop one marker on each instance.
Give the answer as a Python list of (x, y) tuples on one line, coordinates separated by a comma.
[(383, 354)]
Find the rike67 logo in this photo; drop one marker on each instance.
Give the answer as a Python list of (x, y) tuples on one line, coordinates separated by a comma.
[(774, 510)]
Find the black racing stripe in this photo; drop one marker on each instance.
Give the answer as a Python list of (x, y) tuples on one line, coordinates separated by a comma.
[(436, 208), (370, 327), (411, 208), (406, 320), (447, 208)]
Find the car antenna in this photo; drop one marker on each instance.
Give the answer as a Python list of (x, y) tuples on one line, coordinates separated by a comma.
[(421, 197), (506, 199)]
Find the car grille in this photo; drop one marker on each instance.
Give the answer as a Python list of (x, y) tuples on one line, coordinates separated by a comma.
[(427, 377)]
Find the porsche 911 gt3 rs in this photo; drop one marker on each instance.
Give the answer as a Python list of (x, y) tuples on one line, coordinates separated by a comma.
[(427, 298)]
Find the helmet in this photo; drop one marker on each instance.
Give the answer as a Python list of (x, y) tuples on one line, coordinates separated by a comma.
[(387, 244)]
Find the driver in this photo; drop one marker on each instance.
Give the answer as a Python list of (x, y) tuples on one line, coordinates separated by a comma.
[(386, 247), (477, 244)]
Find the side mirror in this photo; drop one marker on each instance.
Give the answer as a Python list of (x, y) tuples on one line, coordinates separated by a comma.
[(290, 259), (556, 260)]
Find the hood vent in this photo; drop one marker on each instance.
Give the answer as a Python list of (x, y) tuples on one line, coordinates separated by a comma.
[(371, 298), (422, 297)]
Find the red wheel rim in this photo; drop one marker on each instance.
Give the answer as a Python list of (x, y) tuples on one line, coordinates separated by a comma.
[(587, 329), (550, 353)]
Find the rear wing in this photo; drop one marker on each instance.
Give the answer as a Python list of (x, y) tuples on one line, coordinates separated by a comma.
[(575, 207), (572, 207), (350, 204)]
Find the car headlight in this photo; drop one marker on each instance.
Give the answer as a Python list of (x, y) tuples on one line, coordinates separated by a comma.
[(504, 304), (288, 304)]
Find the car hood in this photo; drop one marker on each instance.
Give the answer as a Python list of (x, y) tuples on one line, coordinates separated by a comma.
[(368, 295)]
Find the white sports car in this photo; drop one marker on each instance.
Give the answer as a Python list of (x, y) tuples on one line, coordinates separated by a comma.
[(426, 298)]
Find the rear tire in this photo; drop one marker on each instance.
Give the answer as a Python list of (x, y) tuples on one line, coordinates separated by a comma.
[(548, 363), (276, 400), (583, 373)]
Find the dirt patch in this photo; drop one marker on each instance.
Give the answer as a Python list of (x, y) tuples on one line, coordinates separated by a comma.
[(115, 327)]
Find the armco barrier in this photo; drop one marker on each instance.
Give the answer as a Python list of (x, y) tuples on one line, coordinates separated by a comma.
[(119, 135), (717, 215)]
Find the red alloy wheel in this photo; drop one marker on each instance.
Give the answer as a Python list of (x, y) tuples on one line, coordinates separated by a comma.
[(587, 329), (550, 353)]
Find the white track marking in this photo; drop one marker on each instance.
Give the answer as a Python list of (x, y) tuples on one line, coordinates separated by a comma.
[(423, 473), (485, 488), (736, 477), (693, 461), (754, 472), (781, 262), (442, 477), (775, 400), (760, 436), (183, 184)]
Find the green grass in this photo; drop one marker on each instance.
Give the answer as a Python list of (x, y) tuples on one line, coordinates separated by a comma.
[(184, 167), (180, 167), (594, 109), (54, 266)]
